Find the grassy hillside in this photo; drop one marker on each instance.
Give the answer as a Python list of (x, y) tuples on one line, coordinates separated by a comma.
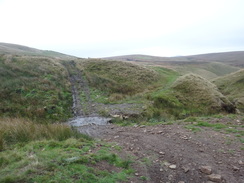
[(232, 86), (35, 88), (235, 58), (206, 70), (209, 66), (14, 49), (189, 95), (118, 78)]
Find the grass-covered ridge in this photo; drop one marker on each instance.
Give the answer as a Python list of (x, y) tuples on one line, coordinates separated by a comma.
[(232, 86), (35, 88), (119, 77)]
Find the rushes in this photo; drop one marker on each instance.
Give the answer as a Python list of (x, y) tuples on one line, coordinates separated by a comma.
[(15, 130)]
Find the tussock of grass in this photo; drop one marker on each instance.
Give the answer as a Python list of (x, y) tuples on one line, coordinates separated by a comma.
[(17, 130), (34, 87), (119, 77), (232, 86)]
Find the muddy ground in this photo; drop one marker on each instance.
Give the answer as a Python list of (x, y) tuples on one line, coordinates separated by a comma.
[(164, 153)]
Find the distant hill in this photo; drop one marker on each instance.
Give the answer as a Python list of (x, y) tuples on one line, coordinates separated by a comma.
[(235, 58), (209, 66), (139, 58), (14, 49), (232, 58)]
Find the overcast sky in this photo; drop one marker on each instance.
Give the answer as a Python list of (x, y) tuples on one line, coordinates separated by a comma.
[(99, 28)]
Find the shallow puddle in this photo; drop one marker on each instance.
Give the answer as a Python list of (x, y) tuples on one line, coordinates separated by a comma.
[(83, 121)]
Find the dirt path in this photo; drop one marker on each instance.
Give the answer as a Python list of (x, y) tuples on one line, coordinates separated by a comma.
[(171, 153), (82, 103)]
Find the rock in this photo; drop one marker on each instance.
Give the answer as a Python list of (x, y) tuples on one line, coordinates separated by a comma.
[(186, 169), (215, 177), (206, 169), (125, 117), (162, 153), (136, 174), (240, 162), (184, 137), (201, 150), (209, 182), (142, 126), (73, 159), (159, 132), (181, 182), (115, 115), (173, 167), (166, 163), (116, 137), (235, 168), (170, 177), (161, 170)]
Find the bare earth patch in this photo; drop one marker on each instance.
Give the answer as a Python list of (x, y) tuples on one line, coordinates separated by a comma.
[(171, 153)]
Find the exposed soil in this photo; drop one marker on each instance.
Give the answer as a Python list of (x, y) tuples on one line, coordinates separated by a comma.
[(164, 153), (156, 149)]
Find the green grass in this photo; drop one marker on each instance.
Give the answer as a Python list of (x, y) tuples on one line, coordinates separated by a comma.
[(193, 128), (196, 123), (231, 85), (35, 88), (214, 125), (99, 96), (17, 130), (118, 77), (72, 160), (189, 95), (32, 152)]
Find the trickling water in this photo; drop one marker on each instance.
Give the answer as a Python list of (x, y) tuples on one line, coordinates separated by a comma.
[(83, 121)]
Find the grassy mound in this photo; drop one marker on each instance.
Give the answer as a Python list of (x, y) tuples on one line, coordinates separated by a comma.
[(34, 87), (190, 95), (232, 86), (196, 92), (119, 77)]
